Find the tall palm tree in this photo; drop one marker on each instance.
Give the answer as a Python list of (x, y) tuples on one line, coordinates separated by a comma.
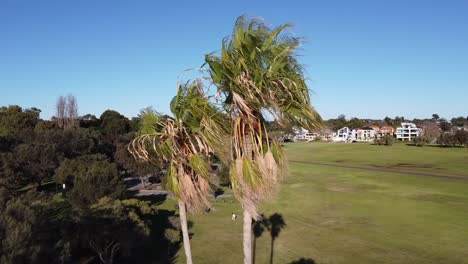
[(258, 76), (185, 143)]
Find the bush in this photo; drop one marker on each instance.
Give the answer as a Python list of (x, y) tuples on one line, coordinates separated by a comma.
[(462, 137), (452, 140), (386, 140), (421, 141), (447, 140)]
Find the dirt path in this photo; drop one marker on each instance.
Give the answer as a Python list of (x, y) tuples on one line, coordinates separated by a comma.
[(442, 176)]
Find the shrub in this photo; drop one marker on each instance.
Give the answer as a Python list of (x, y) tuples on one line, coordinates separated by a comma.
[(421, 141), (447, 140), (386, 140)]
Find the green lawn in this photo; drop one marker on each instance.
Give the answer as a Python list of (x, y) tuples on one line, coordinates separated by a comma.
[(337, 215)]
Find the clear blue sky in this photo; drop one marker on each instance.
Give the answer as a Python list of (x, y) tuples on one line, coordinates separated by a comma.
[(363, 58)]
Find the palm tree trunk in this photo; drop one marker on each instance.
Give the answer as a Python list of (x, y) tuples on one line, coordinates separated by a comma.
[(271, 250), (254, 249), (247, 234), (247, 238), (185, 234)]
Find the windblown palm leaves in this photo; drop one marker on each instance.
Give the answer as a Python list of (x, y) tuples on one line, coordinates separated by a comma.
[(258, 75), (185, 144)]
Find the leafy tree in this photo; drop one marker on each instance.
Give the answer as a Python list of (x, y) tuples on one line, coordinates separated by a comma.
[(459, 121), (445, 126), (90, 180), (461, 137), (435, 116), (337, 123), (388, 121), (446, 140), (89, 121), (184, 143), (114, 124), (257, 72), (14, 119), (29, 163), (28, 235), (356, 123), (113, 229), (130, 165)]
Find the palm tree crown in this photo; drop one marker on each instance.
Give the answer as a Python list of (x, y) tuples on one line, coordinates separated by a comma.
[(258, 75), (185, 143)]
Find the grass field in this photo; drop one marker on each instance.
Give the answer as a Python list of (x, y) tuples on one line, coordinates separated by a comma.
[(339, 215)]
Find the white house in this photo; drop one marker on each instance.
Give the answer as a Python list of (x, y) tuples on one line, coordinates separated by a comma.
[(300, 133), (345, 135), (407, 131), (366, 134), (303, 134)]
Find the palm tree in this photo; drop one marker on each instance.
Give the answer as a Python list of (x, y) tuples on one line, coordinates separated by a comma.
[(185, 144), (258, 76)]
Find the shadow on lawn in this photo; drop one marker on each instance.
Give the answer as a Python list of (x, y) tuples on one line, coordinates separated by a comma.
[(273, 224), (304, 261), (163, 243)]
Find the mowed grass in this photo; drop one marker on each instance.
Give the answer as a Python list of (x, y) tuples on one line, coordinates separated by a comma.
[(338, 215), (432, 159)]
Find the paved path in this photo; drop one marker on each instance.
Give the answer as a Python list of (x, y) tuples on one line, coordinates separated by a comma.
[(425, 174)]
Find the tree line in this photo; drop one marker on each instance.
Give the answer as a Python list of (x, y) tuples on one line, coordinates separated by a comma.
[(92, 220), (354, 122)]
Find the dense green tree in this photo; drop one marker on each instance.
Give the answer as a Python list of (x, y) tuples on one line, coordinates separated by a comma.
[(29, 163), (89, 181), (27, 230), (131, 166), (113, 229), (335, 124), (14, 119), (461, 137), (89, 121), (435, 116), (114, 124), (447, 140), (459, 121), (356, 123)]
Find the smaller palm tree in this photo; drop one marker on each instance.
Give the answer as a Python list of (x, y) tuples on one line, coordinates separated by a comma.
[(184, 143)]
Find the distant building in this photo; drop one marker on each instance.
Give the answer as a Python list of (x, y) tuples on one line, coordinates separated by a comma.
[(366, 133), (407, 131), (301, 134), (385, 130), (345, 134), (326, 134)]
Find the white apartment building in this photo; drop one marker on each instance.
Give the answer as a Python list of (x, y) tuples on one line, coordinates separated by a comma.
[(407, 131), (345, 135), (366, 134)]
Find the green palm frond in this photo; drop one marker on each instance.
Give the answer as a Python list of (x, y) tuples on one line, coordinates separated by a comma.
[(186, 142), (259, 76)]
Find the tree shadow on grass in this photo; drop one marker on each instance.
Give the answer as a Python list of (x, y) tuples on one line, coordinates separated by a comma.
[(155, 199), (303, 261), (273, 224), (164, 241)]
